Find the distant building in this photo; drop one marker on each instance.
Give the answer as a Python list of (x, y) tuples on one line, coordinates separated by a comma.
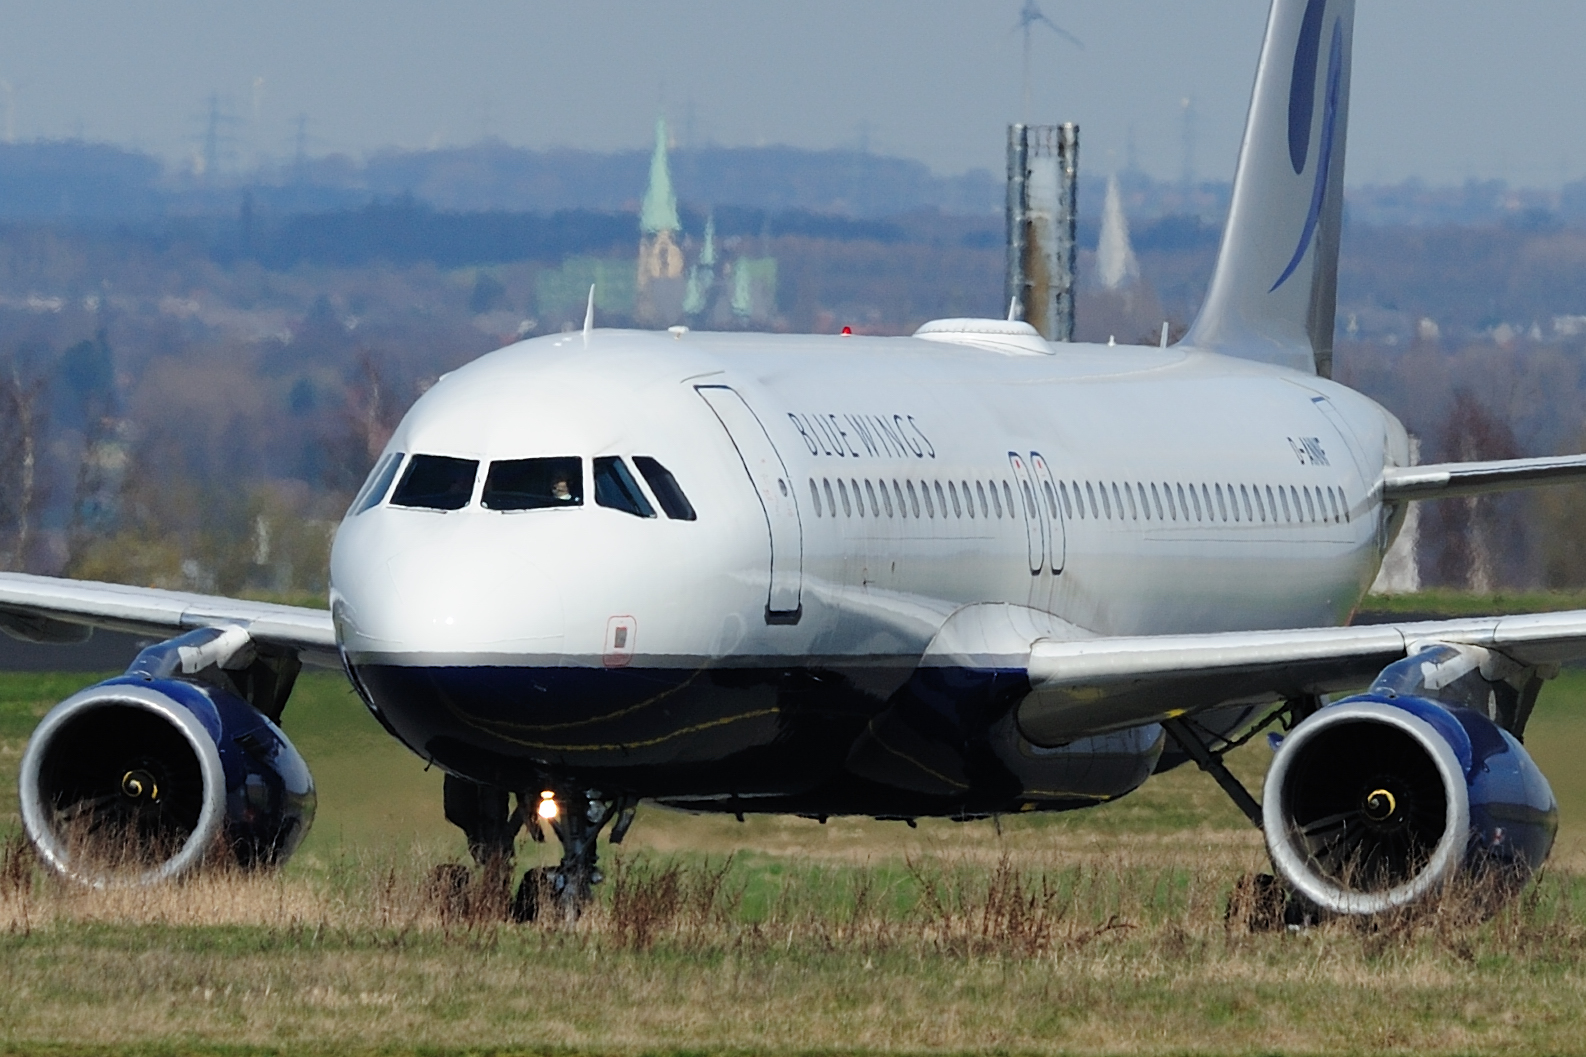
[(754, 289), (701, 290), (661, 287), (1400, 574), (1115, 259)]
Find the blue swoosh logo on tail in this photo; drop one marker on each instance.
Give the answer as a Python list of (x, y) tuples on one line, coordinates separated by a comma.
[(1324, 160), (1302, 83)]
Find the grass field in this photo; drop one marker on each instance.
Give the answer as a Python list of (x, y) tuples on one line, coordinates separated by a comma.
[(1099, 931)]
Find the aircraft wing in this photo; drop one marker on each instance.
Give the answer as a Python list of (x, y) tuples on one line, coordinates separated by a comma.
[(1088, 686), (50, 609), (1449, 479)]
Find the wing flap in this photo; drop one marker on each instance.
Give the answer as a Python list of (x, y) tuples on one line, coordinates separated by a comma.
[(1085, 687), (147, 610)]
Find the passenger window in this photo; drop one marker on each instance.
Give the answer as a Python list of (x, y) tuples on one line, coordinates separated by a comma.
[(925, 488), (1310, 504), (941, 498), (1106, 500), (1183, 506), (996, 499), (859, 497), (616, 489), (1156, 501), (815, 495), (1029, 500), (875, 508), (1051, 498), (378, 484), (436, 482), (1244, 496), (1332, 501), (903, 506), (1255, 490), (952, 490), (831, 500), (1068, 506), (1222, 508), (1343, 501), (1134, 511), (1090, 492), (980, 489), (1272, 505), (842, 493), (1196, 496), (1007, 497)]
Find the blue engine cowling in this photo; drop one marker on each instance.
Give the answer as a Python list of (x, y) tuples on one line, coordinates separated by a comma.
[(141, 778), (1380, 800)]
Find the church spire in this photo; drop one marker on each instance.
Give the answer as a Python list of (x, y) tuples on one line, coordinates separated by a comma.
[(659, 212)]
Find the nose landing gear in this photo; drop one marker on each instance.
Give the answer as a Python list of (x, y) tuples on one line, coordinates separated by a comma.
[(575, 815)]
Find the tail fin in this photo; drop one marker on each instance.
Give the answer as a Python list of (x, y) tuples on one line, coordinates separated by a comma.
[(1274, 292)]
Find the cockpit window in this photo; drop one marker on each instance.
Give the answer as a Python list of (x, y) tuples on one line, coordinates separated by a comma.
[(616, 488), (665, 488), (535, 484), (378, 484), (436, 482)]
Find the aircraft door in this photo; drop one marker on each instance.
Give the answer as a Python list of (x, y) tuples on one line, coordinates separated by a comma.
[(1034, 524), (778, 499), (1047, 500)]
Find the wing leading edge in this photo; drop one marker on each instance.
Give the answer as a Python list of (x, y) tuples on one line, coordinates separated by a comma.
[(1089, 686), (1450, 479), (43, 608)]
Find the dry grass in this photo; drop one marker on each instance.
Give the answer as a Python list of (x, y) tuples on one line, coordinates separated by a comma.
[(933, 953), (1104, 931)]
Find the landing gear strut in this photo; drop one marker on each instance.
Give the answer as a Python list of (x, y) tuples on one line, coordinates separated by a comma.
[(1208, 749), (1261, 901)]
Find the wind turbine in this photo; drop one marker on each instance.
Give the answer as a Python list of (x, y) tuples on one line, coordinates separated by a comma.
[(1031, 15)]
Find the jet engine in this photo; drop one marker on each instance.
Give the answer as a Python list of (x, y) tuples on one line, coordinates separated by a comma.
[(1381, 800), (141, 778)]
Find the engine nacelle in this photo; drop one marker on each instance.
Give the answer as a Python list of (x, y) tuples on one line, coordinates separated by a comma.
[(140, 778), (1380, 800)]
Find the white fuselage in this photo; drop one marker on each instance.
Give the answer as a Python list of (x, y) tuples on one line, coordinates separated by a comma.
[(1191, 492)]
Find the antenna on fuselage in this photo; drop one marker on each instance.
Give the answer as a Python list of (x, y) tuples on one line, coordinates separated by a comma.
[(589, 314)]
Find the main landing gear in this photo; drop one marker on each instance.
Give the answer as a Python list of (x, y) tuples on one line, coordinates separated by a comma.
[(576, 816), (1261, 901)]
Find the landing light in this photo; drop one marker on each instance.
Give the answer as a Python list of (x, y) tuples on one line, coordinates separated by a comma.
[(547, 808)]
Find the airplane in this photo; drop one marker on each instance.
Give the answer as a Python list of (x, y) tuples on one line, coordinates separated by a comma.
[(960, 574)]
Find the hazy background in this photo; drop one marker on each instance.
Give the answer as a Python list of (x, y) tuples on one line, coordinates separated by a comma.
[(237, 241), (1444, 89)]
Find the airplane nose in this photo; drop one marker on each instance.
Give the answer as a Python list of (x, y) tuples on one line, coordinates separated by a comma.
[(432, 600), (480, 598)]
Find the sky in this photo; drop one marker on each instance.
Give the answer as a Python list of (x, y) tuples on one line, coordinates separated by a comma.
[(1445, 90)]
